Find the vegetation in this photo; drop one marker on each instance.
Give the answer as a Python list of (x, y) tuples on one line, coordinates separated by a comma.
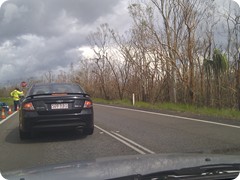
[(168, 55), (7, 100)]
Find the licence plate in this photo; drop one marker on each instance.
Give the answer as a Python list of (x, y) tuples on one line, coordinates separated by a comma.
[(59, 106)]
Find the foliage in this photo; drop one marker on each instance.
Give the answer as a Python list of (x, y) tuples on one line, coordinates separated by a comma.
[(168, 55)]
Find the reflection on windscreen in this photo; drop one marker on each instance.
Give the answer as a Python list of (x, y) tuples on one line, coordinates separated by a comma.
[(56, 88)]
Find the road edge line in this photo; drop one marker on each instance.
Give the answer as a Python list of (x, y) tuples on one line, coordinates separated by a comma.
[(173, 116), (4, 120)]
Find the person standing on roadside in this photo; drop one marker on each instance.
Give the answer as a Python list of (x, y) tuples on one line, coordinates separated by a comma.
[(15, 94)]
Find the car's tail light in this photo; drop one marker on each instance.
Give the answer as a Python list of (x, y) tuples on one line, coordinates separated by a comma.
[(28, 106), (87, 104)]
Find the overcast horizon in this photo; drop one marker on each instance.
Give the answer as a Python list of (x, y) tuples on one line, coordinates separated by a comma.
[(49, 35)]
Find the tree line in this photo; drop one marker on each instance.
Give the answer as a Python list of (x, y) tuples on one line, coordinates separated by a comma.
[(170, 54)]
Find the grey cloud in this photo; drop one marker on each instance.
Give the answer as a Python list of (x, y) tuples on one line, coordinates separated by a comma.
[(40, 36), (27, 16)]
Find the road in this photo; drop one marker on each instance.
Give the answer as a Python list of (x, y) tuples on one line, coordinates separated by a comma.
[(118, 132)]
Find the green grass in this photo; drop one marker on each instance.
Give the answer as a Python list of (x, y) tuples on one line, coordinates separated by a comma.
[(213, 112), (7, 100), (225, 113), (124, 102)]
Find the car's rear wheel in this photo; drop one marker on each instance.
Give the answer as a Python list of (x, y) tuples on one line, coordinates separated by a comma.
[(88, 131), (24, 135)]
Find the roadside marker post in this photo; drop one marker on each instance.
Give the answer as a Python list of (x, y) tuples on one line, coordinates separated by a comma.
[(133, 99)]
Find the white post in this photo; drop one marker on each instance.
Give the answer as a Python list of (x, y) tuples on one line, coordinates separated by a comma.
[(133, 99)]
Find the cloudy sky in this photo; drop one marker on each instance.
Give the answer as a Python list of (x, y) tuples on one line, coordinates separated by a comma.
[(37, 36), (238, 1), (48, 35)]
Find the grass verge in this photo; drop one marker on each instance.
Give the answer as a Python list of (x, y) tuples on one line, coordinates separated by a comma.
[(7, 100), (213, 112), (224, 113)]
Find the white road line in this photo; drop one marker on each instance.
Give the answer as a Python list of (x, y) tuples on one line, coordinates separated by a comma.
[(173, 116), (134, 143), (122, 141), (1, 122)]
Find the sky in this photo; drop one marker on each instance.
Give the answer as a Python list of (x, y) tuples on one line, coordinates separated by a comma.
[(238, 1), (38, 36), (49, 35)]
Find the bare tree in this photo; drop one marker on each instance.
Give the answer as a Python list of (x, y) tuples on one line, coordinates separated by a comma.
[(49, 77), (167, 55)]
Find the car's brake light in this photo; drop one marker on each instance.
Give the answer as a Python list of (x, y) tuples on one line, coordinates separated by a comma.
[(28, 106), (87, 104)]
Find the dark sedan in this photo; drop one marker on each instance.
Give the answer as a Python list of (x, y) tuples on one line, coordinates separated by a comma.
[(56, 106)]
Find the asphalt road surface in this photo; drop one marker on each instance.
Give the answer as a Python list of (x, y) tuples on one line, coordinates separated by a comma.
[(118, 132)]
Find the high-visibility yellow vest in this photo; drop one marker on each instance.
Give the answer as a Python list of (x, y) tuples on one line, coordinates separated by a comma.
[(15, 95)]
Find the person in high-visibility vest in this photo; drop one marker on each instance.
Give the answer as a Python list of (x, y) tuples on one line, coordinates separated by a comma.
[(16, 94)]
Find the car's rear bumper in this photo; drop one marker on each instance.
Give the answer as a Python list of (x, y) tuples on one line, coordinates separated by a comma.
[(32, 121)]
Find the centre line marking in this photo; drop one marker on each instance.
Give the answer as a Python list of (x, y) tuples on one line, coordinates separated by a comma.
[(127, 142), (134, 143)]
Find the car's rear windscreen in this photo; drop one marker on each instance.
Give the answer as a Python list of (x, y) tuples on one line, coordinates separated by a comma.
[(55, 88)]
